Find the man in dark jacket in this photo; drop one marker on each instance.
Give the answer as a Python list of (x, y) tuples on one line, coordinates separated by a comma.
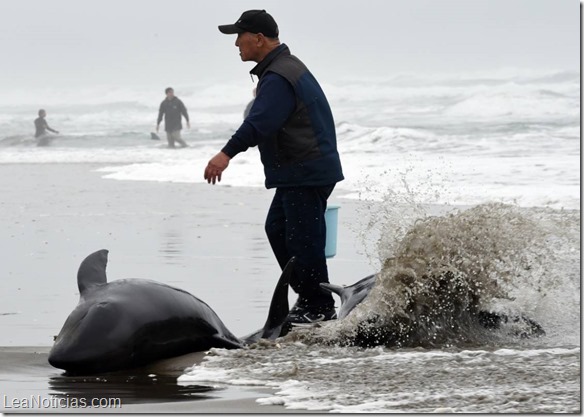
[(172, 108), (292, 124)]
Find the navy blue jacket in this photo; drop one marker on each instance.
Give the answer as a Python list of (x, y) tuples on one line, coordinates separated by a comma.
[(292, 124)]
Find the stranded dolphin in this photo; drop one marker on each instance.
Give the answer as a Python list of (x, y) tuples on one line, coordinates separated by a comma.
[(133, 322), (353, 295)]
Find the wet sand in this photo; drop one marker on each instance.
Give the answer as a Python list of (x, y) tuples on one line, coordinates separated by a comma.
[(207, 240), (31, 385)]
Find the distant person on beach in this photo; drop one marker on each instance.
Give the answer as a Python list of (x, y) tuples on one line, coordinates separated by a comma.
[(173, 109), (292, 124), (41, 126), (249, 105)]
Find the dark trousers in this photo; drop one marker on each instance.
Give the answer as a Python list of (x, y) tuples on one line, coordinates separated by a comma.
[(295, 227)]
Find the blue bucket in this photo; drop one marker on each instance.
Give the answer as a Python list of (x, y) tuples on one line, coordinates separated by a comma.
[(331, 218)]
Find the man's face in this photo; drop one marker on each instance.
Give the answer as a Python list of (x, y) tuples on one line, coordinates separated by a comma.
[(170, 95), (248, 46)]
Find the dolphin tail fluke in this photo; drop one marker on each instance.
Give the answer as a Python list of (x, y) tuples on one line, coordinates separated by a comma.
[(92, 271), (337, 289), (351, 295)]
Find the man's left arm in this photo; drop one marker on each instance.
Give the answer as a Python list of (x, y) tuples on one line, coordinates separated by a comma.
[(275, 102), (49, 129), (185, 113)]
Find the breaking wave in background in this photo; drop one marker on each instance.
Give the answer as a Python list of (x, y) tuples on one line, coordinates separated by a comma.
[(510, 137)]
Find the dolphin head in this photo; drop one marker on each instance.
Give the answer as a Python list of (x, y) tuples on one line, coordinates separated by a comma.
[(88, 335)]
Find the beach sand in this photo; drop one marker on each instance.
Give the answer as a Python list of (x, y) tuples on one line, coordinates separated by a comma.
[(208, 240)]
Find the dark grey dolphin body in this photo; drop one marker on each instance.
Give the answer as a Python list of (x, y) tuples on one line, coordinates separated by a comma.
[(132, 322)]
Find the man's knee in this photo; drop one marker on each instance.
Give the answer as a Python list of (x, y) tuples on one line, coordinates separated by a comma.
[(275, 231)]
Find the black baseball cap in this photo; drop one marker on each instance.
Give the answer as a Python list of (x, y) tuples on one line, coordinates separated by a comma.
[(254, 21)]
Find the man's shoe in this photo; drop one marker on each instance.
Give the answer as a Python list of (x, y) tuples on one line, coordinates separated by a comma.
[(301, 315)]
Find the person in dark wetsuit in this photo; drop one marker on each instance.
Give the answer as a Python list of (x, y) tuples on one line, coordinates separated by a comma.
[(172, 108), (41, 125)]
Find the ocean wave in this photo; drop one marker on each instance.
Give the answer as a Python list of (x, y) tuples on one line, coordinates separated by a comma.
[(512, 136)]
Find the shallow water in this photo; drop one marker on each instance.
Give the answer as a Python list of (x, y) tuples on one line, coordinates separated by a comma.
[(514, 379)]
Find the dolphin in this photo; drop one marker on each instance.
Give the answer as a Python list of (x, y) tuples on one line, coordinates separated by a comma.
[(128, 323), (353, 295)]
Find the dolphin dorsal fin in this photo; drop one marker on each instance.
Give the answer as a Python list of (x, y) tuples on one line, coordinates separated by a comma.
[(92, 271)]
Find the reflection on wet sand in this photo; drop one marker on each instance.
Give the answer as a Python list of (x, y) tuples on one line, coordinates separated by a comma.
[(171, 246), (128, 388), (153, 383)]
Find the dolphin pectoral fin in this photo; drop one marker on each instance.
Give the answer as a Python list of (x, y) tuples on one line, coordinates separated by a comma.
[(279, 307), (225, 342), (252, 337), (92, 271)]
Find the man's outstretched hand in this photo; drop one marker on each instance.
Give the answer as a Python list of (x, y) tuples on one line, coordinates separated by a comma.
[(215, 167)]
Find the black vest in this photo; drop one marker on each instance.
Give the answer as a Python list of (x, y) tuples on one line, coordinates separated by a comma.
[(304, 151)]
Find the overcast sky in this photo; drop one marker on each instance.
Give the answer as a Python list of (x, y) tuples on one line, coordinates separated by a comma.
[(59, 42)]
